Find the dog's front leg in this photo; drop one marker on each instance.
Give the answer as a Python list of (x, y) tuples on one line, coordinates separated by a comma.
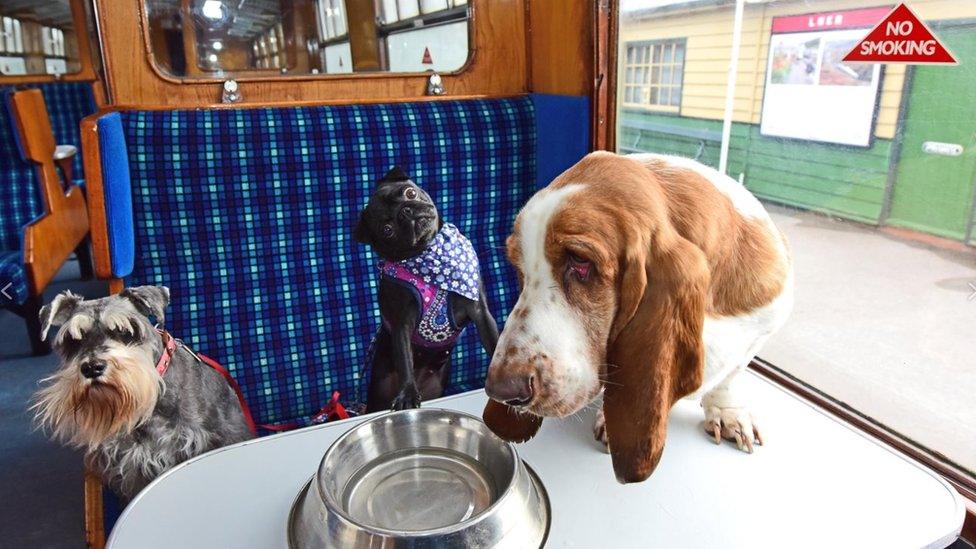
[(409, 395), (486, 325)]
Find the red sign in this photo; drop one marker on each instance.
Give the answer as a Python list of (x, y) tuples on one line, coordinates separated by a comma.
[(901, 37), (427, 59), (833, 20)]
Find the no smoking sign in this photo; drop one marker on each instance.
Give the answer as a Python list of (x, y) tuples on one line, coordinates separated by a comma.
[(901, 37)]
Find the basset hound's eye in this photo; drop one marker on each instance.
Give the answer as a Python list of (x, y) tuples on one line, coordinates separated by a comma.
[(410, 193), (388, 231), (579, 266)]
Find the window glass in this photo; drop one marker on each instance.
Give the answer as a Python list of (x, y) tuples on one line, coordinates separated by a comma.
[(390, 11), (37, 38), (408, 8), (869, 170), (234, 39), (650, 70)]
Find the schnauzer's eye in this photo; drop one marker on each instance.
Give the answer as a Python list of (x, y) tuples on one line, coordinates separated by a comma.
[(410, 193), (387, 231), (125, 336)]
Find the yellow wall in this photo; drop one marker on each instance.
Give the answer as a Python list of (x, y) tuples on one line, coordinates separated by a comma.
[(709, 44)]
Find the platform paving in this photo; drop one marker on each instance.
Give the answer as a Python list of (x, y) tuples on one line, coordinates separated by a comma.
[(884, 324)]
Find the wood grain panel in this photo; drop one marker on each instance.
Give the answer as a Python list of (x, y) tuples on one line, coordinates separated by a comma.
[(560, 42), (94, 511), (497, 66), (91, 158)]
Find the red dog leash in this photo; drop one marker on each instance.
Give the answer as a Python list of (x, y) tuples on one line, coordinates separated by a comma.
[(332, 410)]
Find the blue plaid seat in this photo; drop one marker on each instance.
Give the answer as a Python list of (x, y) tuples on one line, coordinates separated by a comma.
[(12, 273), (247, 215)]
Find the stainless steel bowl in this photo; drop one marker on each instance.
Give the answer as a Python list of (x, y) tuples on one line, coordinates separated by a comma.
[(420, 478)]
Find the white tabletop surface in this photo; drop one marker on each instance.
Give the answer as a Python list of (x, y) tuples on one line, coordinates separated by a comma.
[(816, 483)]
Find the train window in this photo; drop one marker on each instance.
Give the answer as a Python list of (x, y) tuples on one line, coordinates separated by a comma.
[(268, 39), (37, 38), (869, 170), (653, 73)]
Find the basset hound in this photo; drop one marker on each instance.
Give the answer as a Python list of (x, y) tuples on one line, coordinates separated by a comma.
[(651, 278)]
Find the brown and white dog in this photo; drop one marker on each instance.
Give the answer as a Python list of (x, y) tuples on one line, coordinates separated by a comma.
[(651, 278)]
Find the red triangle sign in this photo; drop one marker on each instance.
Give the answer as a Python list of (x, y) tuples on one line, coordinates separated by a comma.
[(901, 37), (427, 60)]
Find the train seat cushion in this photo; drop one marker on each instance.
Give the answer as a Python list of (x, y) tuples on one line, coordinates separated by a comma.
[(247, 215), (12, 272)]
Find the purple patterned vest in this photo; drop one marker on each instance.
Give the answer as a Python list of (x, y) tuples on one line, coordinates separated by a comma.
[(449, 264)]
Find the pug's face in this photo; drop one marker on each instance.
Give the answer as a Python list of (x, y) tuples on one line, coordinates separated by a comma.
[(400, 218)]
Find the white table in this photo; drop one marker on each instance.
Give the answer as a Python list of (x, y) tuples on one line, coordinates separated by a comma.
[(816, 483)]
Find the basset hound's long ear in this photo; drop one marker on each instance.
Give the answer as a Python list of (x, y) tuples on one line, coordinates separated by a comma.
[(655, 347)]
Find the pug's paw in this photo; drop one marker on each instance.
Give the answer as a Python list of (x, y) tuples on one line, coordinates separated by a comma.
[(408, 398)]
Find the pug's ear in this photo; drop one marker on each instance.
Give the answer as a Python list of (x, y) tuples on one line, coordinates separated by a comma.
[(58, 311), (151, 301), (361, 233), (395, 174)]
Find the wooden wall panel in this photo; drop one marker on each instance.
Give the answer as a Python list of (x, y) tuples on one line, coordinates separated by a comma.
[(560, 45), (497, 66)]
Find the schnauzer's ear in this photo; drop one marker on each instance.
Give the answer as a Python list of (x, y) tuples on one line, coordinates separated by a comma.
[(151, 301), (361, 233), (58, 311), (396, 174)]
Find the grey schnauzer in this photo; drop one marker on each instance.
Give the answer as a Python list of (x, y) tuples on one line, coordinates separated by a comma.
[(135, 399)]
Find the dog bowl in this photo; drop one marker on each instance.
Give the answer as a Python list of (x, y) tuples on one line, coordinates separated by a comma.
[(420, 478)]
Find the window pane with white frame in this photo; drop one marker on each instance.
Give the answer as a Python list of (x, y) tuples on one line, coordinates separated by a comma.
[(653, 73)]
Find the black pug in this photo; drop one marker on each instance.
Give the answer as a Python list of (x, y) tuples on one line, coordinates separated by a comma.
[(430, 290)]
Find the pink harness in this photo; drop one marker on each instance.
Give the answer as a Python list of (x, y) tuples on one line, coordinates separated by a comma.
[(448, 265)]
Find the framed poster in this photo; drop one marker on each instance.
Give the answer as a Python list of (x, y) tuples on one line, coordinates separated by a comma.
[(810, 92)]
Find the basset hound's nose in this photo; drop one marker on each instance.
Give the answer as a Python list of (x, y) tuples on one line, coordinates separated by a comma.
[(514, 391)]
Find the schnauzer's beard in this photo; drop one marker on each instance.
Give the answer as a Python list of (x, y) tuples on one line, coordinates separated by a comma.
[(85, 413)]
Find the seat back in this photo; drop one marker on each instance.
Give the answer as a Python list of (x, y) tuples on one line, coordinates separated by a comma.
[(21, 192), (67, 104), (51, 238), (247, 215)]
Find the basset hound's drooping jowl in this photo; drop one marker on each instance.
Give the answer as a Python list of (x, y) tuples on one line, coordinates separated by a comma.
[(651, 278)]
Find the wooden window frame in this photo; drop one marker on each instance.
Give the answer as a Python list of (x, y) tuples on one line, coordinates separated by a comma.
[(649, 66), (259, 76)]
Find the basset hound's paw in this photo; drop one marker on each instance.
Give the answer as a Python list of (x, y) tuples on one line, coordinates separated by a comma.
[(600, 431), (735, 424)]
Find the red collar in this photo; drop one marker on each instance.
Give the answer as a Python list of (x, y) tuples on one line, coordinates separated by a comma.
[(169, 347)]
